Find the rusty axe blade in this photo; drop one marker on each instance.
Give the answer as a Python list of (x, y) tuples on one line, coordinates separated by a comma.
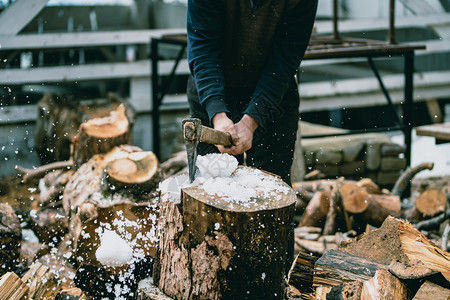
[(193, 133)]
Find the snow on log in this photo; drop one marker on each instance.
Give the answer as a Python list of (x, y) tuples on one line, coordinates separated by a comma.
[(99, 210), (225, 237)]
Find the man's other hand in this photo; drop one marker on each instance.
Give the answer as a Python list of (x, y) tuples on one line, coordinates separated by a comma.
[(221, 122), (245, 129)]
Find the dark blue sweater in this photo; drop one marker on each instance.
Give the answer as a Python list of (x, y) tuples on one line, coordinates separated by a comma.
[(247, 44)]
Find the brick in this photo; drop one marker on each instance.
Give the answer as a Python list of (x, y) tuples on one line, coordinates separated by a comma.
[(392, 163)]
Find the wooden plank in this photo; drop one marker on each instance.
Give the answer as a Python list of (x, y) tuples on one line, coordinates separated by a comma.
[(82, 39), (101, 71), (434, 111), (16, 16), (359, 25), (438, 131)]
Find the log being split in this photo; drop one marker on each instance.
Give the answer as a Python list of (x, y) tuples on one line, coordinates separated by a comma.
[(225, 238), (100, 135)]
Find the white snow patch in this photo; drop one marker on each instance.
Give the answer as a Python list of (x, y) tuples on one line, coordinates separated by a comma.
[(216, 165), (243, 186), (171, 187), (113, 251)]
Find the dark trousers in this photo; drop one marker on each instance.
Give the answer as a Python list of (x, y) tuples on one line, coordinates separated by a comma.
[(273, 146)]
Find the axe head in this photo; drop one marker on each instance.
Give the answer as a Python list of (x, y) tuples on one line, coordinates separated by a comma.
[(192, 128)]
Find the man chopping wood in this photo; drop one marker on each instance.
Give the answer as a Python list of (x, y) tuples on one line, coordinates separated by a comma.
[(244, 55)]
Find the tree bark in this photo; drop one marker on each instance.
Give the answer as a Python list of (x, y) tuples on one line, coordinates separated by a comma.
[(10, 239), (316, 210), (405, 179), (100, 135), (210, 248)]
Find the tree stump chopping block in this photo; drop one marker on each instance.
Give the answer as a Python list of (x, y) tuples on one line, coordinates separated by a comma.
[(212, 247)]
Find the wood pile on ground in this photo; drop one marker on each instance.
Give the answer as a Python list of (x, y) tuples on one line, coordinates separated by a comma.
[(112, 222)]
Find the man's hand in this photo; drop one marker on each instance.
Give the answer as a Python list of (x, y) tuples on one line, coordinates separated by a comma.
[(245, 129), (221, 122)]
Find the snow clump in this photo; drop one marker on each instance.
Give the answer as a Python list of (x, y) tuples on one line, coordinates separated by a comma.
[(216, 165), (113, 250)]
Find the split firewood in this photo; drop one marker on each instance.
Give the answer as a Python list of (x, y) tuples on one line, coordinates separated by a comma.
[(308, 232), (39, 172), (58, 265), (429, 290), (336, 267), (100, 135), (12, 287), (414, 270), (41, 281), (370, 186), (430, 203), (222, 244), (405, 178), (396, 240), (346, 291), (49, 224), (316, 210), (335, 206), (137, 171), (384, 285), (302, 271), (10, 238), (71, 294)]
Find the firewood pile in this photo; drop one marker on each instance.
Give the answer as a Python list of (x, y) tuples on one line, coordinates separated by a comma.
[(113, 223)]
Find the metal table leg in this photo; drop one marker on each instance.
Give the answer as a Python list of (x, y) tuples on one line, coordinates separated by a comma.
[(408, 105)]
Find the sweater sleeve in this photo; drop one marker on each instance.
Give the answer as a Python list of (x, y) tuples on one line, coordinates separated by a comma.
[(289, 45), (205, 30)]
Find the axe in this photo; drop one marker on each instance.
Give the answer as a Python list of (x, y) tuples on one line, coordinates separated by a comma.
[(193, 133)]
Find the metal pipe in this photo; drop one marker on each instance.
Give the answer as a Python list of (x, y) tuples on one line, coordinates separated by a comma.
[(392, 22), (335, 19)]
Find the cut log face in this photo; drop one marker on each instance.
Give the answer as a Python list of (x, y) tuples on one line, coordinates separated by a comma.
[(100, 135), (137, 171), (216, 246), (431, 202), (10, 237), (354, 198), (429, 290)]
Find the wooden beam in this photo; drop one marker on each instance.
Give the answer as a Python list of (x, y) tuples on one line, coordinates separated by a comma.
[(101, 71), (16, 16), (82, 39), (439, 131)]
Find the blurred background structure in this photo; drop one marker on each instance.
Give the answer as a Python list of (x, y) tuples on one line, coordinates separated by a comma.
[(85, 50)]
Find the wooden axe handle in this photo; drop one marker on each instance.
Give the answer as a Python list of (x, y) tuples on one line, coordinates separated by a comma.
[(216, 137)]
